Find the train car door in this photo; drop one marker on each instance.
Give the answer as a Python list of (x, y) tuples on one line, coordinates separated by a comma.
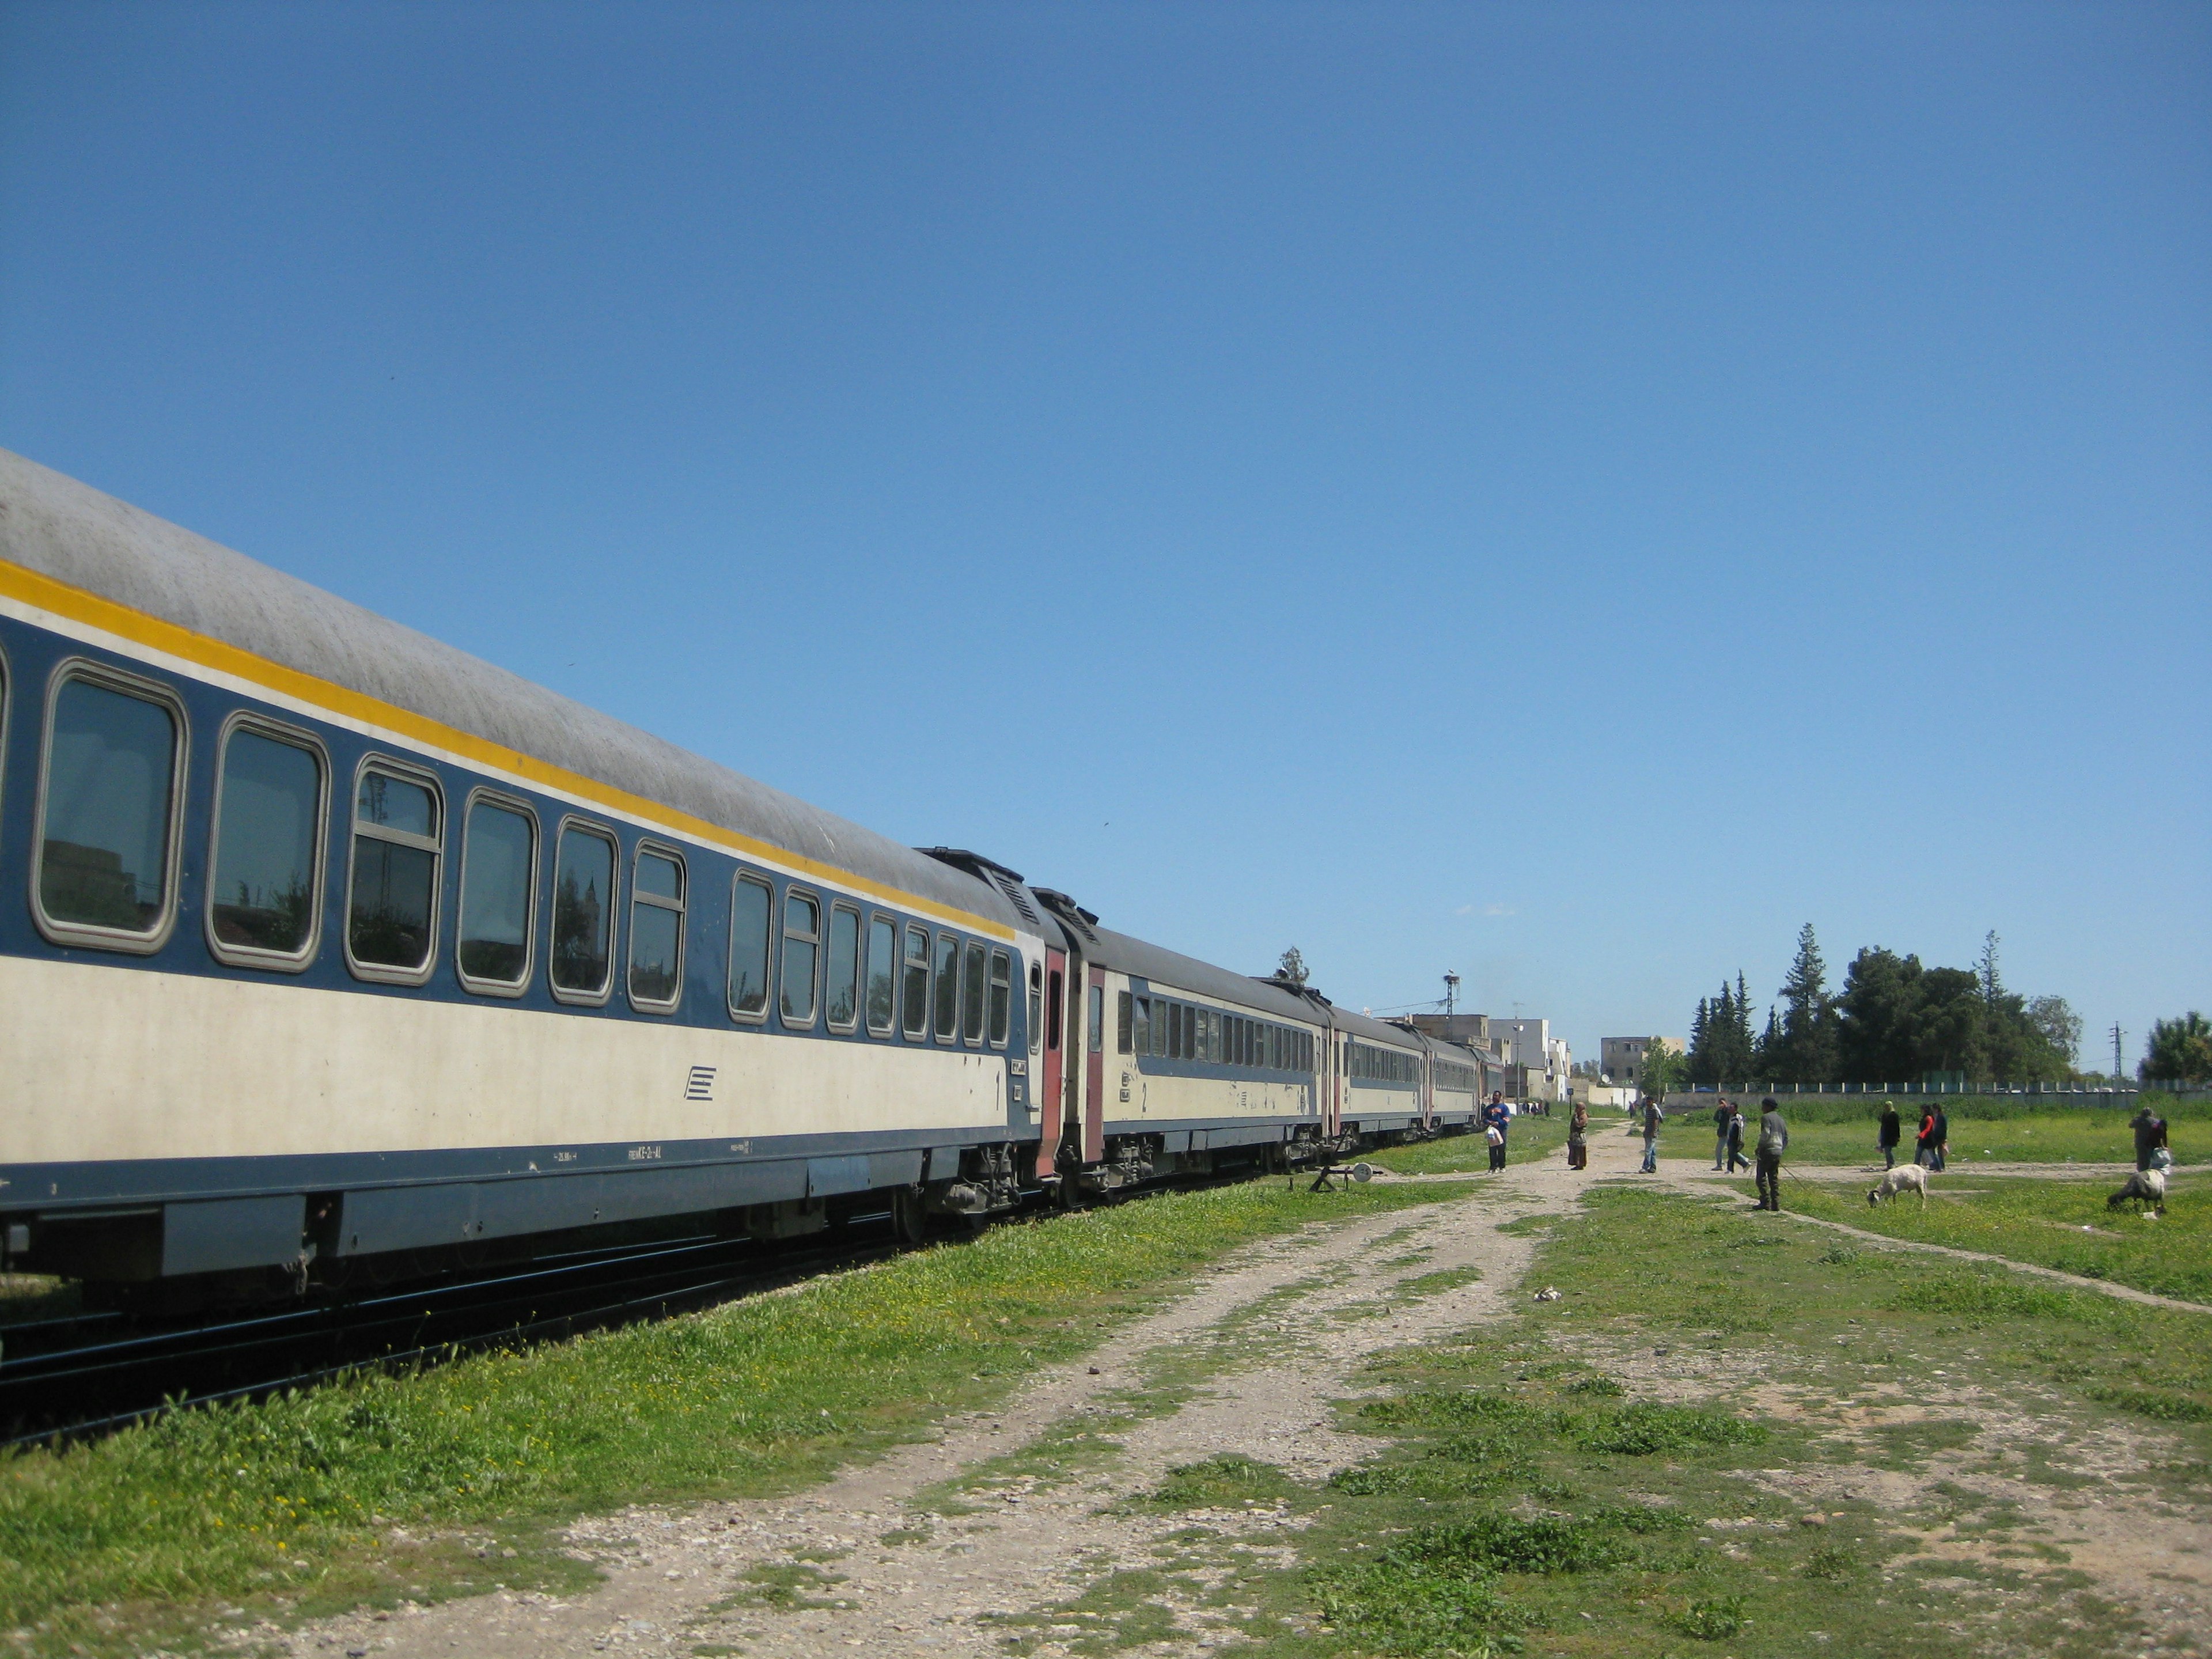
[(1053, 1066), (1094, 1095)]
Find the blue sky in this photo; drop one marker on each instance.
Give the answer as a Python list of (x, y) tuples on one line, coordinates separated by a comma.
[(1566, 493)]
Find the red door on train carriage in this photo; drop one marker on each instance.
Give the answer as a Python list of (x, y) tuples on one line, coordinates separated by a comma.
[(1094, 1093), (1053, 1064)]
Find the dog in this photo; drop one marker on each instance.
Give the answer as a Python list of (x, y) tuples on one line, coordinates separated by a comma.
[(2144, 1187), (1895, 1182)]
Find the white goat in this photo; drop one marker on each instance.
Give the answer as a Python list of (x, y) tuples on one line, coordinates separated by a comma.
[(2144, 1187), (1895, 1182)]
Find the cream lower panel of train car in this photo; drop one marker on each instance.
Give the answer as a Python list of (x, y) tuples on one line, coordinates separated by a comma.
[(95, 1062), (1181, 1097), (1362, 1102), (1452, 1104)]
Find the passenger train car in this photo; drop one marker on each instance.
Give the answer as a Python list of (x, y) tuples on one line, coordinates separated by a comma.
[(336, 955)]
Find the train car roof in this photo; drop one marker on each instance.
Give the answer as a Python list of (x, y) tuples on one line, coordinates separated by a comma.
[(1174, 971), (1371, 1030), (74, 535)]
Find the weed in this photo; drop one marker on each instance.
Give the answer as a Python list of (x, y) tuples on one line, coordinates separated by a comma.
[(1831, 1561), (1498, 1542), (1646, 1427), (1713, 1618), (1229, 1479)]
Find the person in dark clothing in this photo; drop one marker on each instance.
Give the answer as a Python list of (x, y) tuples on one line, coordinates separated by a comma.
[(1651, 1115), (1735, 1158), (1924, 1144), (1941, 1143), (1495, 1117), (1774, 1141), (1892, 1131), (2150, 1135), (1722, 1113)]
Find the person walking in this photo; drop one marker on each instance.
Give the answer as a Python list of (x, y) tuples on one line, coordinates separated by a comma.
[(1774, 1141), (1735, 1158), (1650, 1136), (1578, 1136), (1941, 1146), (1924, 1144), (2150, 1135), (1722, 1113), (1891, 1132), (1495, 1117)]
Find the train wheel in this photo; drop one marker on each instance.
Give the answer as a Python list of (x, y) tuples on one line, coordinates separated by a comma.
[(909, 1218)]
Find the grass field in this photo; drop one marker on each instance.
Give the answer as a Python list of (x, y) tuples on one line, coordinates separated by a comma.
[(2054, 1223), (1730, 1436), (288, 1507), (1528, 1140), (1996, 1130)]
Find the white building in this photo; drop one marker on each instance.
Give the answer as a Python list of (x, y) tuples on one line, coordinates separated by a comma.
[(1542, 1062)]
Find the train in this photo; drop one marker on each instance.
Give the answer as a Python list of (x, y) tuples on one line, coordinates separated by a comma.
[(343, 958)]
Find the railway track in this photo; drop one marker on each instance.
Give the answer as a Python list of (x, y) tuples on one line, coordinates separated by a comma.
[(78, 1377)]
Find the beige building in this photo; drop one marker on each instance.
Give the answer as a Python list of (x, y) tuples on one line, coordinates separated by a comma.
[(1622, 1059)]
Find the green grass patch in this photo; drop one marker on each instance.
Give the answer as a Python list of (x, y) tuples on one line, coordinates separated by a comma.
[(1529, 1140), (1222, 1482), (2054, 1223), (2019, 1130), (289, 1507)]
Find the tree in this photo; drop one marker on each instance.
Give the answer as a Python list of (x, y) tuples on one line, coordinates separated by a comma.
[(2179, 1051), (1661, 1070), (2058, 1025), (1806, 1051), (1292, 968)]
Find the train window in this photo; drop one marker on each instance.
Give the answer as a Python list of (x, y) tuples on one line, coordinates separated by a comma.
[(499, 875), (1190, 1033), (1097, 1018), (1144, 1025), (948, 987), (843, 993), (582, 956), (1036, 1006), (1175, 1030), (656, 930), (883, 975), (1124, 1019), (108, 809), (752, 902), (399, 835), (1002, 997), (263, 896), (916, 990), (971, 996), (802, 944)]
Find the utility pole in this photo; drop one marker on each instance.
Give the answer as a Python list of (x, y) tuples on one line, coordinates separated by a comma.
[(1451, 994), (2115, 1053)]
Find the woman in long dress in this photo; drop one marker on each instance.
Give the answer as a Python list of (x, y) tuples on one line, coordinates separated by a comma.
[(1578, 1136)]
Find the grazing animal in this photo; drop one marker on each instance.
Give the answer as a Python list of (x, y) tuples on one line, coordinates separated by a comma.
[(2144, 1187), (1896, 1180)]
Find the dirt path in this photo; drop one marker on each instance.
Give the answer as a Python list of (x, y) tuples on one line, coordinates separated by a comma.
[(909, 1553)]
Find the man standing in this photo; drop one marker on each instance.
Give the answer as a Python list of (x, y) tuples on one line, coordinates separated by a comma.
[(1495, 1117), (1888, 1139), (2150, 1135), (1735, 1157), (1774, 1141), (1650, 1135), (1722, 1113), (1941, 1143)]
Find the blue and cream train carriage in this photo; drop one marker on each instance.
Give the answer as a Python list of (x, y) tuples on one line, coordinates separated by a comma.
[(326, 950)]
